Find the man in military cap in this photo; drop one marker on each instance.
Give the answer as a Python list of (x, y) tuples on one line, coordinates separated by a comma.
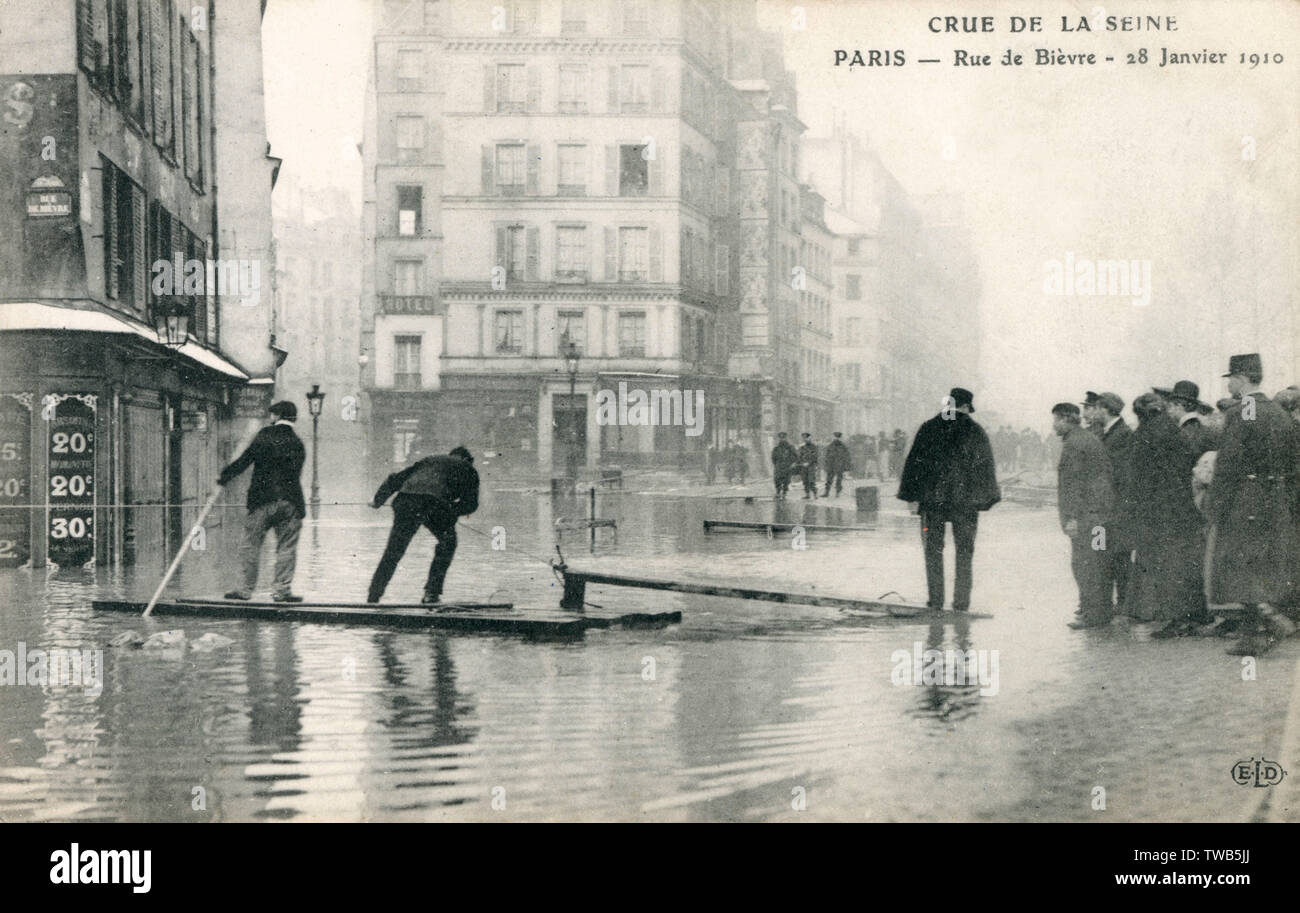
[(1249, 506)]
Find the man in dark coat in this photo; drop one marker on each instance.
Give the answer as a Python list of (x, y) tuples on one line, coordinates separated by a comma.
[(274, 501), (949, 477), (784, 460), (1085, 502), (1167, 530), (1183, 403), (434, 493), (1249, 505), (1102, 411), (837, 463), (808, 466)]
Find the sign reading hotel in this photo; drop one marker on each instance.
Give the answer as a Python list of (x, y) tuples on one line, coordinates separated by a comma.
[(71, 495)]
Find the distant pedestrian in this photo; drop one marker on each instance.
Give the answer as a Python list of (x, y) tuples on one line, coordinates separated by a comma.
[(837, 463), (434, 493), (1085, 503), (897, 449), (1168, 532), (870, 467), (808, 466), (784, 460), (949, 477), (274, 501), (1249, 504)]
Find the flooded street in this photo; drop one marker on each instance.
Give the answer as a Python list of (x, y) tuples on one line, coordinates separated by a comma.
[(744, 711)]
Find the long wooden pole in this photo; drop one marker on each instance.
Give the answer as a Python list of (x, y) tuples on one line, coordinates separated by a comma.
[(176, 562)]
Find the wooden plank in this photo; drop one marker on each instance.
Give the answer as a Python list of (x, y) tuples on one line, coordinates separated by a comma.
[(394, 617), (441, 606), (575, 582), (781, 527), (563, 523)]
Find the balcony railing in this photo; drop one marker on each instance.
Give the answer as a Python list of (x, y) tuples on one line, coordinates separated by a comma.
[(410, 304)]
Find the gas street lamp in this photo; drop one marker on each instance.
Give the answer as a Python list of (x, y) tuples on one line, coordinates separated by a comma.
[(315, 400), (171, 321)]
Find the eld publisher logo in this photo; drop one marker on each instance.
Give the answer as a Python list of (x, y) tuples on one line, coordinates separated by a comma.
[(1257, 773)]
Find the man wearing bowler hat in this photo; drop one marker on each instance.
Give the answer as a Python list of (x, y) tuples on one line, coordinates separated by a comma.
[(1248, 504), (949, 477), (274, 500), (1183, 403), (1102, 411)]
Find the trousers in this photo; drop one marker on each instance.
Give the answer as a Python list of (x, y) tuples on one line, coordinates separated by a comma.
[(933, 531), (410, 512), (280, 516)]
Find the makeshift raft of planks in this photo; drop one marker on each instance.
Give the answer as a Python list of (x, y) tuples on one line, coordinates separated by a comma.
[(575, 593), (710, 525), (483, 617)]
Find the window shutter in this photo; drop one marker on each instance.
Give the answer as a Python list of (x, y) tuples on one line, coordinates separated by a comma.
[(108, 178), (611, 170), (500, 258), (611, 254), (532, 241), (613, 90), (534, 89), (655, 173), (178, 248), (87, 55), (656, 255), (139, 290), (722, 270), (160, 60), (657, 99), (534, 156), (489, 184), (210, 299), (489, 88)]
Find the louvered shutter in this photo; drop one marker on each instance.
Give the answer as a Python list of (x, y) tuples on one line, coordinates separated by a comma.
[(139, 254), (489, 184), (611, 254), (532, 240), (611, 170), (656, 255), (534, 160)]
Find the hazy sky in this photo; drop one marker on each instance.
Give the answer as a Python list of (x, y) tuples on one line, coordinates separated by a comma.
[(1113, 161)]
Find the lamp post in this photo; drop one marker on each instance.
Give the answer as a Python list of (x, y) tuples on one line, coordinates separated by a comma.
[(315, 400), (571, 358)]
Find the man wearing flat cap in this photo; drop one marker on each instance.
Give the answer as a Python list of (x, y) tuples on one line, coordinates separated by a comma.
[(949, 476), (1249, 506), (1085, 502), (1184, 406), (1102, 411), (274, 500)]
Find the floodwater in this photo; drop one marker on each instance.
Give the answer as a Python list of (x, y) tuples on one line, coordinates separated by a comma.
[(745, 711)]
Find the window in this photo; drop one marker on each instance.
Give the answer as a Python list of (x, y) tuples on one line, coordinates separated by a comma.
[(161, 65), (410, 138), (192, 103), (406, 366), (573, 17), (853, 287), (573, 171), (410, 66), (405, 434), (408, 277), (636, 17), (633, 171), (512, 250), (509, 333), (722, 270), (570, 326), (410, 210), (631, 334), (512, 87), (855, 245), (523, 15), (125, 271), (510, 169), (633, 254), (634, 87), (853, 331), (573, 88), (571, 252)]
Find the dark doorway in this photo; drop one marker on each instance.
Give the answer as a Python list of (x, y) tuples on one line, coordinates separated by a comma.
[(569, 434)]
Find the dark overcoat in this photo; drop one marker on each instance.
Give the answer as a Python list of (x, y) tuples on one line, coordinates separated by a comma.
[(1249, 504), (1085, 490), (950, 467)]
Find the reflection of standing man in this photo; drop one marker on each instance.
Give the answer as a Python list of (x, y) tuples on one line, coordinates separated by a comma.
[(1085, 501), (949, 477), (274, 501)]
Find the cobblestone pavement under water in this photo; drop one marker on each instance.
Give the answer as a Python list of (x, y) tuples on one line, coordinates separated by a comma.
[(744, 711)]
